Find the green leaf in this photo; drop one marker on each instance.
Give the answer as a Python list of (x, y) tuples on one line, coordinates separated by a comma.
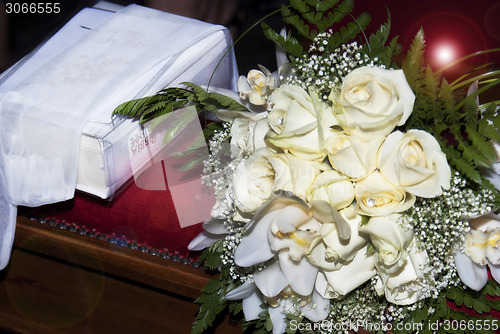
[(269, 324), (370, 248), (364, 220), (290, 45), (376, 44), (193, 162), (414, 60)]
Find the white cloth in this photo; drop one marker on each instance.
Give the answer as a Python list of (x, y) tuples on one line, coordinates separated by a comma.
[(41, 119)]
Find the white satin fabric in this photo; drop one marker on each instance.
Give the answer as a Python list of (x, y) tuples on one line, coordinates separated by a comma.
[(42, 118)]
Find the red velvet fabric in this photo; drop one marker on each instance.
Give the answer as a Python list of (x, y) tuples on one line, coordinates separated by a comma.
[(145, 216)]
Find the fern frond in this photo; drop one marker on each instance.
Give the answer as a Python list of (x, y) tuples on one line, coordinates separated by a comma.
[(323, 6), (308, 18), (297, 22), (291, 45), (169, 99), (414, 60), (348, 33), (376, 44)]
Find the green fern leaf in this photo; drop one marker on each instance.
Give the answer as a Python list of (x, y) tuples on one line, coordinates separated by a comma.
[(290, 45), (324, 5), (342, 10), (414, 60), (348, 33), (489, 130), (296, 22), (376, 44)]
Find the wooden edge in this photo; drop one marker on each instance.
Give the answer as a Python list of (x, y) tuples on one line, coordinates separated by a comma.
[(101, 256)]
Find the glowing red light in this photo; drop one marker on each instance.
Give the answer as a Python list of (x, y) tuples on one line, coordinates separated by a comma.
[(445, 54)]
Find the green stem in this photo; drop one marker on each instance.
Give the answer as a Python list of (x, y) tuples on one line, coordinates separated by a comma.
[(476, 93), (484, 105), (476, 78), (468, 74), (238, 39), (479, 53)]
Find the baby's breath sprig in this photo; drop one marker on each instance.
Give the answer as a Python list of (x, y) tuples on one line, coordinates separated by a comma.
[(326, 73), (360, 308), (440, 226)]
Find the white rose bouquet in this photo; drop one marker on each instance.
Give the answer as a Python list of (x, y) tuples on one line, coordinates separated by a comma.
[(349, 187)]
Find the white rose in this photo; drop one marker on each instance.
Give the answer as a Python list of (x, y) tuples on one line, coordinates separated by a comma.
[(376, 196), (406, 286), (373, 101), (414, 161), (330, 252), (257, 86), (264, 172), (391, 242), (352, 156), (333, 188), (257, 177), (248, 133), (338, 283), (295, 124)]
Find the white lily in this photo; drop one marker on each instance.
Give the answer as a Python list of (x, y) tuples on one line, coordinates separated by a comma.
[(283, 229), (481, 250), (213, 230), (280, 236), (314, 307), (257, 86)]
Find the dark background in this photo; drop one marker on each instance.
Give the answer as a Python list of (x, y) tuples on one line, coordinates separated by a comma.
[(465, 25)]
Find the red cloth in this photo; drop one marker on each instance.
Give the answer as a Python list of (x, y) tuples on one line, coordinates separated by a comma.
[(144, 216)]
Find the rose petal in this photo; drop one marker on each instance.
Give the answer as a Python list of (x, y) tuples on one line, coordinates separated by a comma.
[(318, 257), (346, 251), (353, 274), (321, 286)]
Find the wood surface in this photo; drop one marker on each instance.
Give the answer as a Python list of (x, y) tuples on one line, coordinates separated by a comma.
[(62, 282)]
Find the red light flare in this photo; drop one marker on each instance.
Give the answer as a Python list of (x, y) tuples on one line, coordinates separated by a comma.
[(450, 36)]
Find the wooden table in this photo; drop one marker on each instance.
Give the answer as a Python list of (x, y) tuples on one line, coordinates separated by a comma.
[(62, 282)]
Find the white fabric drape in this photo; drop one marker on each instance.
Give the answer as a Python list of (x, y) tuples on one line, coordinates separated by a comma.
[(42, 118)]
